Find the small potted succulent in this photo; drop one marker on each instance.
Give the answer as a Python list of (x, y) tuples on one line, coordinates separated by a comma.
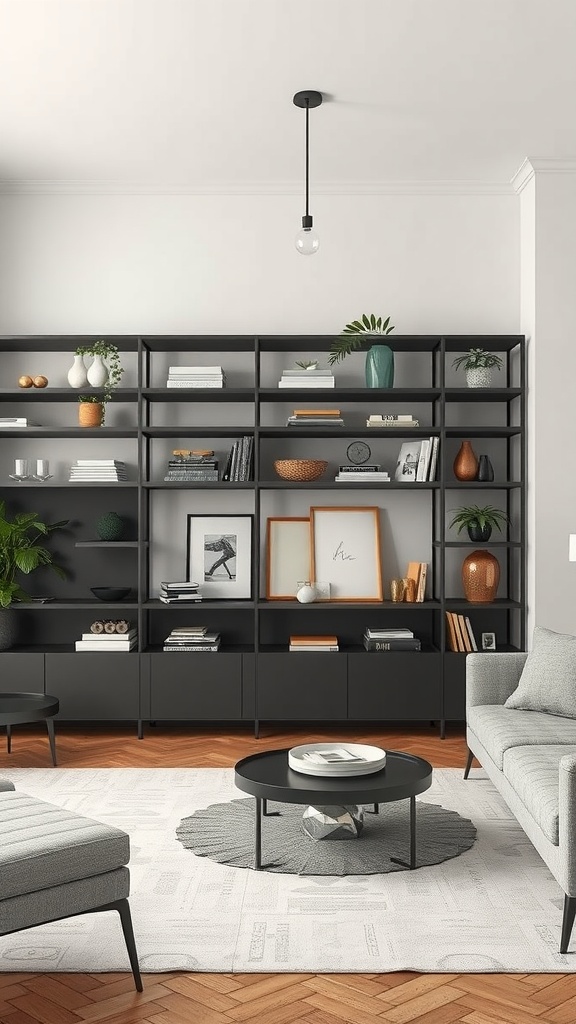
[(478, 365), (479, 521), (20, 552), (307, 364), (379, 358)]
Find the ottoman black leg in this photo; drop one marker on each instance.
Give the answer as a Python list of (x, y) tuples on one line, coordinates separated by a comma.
[(9, 739), (257, 833), (468, 764), (412, 862), (567, 922), (50, 728), (123, 908)]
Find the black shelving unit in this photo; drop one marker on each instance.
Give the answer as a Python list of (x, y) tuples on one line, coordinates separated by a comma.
[(253, 678)]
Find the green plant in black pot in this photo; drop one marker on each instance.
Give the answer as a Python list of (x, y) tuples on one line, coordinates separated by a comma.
[(379, 358), (20, 553), (479, 521)]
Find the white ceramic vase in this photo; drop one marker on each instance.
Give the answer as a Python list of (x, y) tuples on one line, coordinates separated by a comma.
[(77, 377), (97, 373), (306, 594)]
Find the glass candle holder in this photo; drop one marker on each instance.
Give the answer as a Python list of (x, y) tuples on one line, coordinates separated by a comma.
[(21, 470), (42, 470)]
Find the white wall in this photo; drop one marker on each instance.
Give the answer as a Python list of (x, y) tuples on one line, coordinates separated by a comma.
[(226, 264)]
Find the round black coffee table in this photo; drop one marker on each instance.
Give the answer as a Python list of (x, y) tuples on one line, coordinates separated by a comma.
[(17, 708), (267, 776)]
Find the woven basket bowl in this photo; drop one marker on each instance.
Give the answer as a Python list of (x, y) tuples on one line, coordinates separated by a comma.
[(300, 469)]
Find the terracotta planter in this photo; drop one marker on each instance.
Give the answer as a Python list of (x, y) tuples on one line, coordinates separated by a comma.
[(465, 464), (90, 414), (480, 576)]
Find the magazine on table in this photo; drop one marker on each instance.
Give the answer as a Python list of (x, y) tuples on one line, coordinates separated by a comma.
[(339, 755)]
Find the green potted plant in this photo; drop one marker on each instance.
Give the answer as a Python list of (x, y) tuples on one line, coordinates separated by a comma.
[(478, 365), (379, 358), (478, 521), (20, 552), (105, 372)]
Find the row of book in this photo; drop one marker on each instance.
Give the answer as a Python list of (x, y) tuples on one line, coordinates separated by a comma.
[(240, 461), (459, 634), (98, 471), (185, 592), (195, 377), (315, 418), (115, 642), (192, 639), (417, 461), (319, 377), (192, 467), (418, 571)]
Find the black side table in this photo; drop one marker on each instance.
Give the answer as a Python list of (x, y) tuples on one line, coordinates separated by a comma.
[(268, 776), (17, 708)]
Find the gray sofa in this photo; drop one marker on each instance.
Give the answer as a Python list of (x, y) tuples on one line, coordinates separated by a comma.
[(530, 757)]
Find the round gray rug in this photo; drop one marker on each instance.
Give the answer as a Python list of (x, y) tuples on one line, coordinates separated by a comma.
[(225, 833)]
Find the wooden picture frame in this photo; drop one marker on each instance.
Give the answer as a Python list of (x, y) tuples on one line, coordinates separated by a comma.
[(288, 556), (346, 551)]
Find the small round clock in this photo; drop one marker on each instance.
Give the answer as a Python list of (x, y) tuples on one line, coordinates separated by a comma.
[(358, 452)]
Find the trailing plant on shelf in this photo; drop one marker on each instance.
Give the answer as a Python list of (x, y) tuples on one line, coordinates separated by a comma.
[(479, 521), (478, 364), (379, 358), (105, 372)]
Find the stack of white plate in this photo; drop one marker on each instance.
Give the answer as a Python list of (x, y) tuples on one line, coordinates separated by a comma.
[(336, 760)]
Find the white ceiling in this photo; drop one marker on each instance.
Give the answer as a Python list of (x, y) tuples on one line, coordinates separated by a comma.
[(199, 92)]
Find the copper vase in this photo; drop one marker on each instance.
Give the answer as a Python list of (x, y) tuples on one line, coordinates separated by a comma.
[(480, 576), (465, 463)]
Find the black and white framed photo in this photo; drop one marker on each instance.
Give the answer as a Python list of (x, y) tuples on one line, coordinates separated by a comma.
[(488, 641), (346, 551), (407, 464), (219, 555)]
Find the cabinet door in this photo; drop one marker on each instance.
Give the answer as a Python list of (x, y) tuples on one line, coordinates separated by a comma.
[(196, 686), (393, 686), (454, 687), (302, 687), (94, 686), (21, 672)]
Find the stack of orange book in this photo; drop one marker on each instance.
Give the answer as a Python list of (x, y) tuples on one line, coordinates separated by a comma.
[(313, 643), (418, 572)]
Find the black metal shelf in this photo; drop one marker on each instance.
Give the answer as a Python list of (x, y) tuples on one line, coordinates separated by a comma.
[(84, 432), (198, 343), (79, 604), (110, 543), (482, 394), (393, 396), (346, 431), (76, 484), (333, 485), (461, 604), (63, 343), (200, 485), (480, 485), (422, 606), (154, 604), (49, 394), (482, 431), (215, 431), (198, 394), (476, 543)]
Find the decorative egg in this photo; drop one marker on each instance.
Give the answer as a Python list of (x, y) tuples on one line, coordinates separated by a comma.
[(25, 382), (40, 381)]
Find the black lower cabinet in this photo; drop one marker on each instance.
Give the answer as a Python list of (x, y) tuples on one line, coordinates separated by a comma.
[(302, 687), (21, 672), (454, 687), (201, 687), (394, 686), (94, 687)]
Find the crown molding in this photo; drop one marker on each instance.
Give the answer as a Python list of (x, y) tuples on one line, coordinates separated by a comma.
[(539, 165), (255, 188)]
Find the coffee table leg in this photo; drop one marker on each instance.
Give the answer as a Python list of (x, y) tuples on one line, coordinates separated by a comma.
[(50, 728), (412, 862), (8, 739), (375, 809), (257, 833), (267, 813)]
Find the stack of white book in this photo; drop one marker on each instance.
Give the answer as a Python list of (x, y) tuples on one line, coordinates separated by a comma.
[(179, 592), (362, 474), (195, 377), (108, 641), (14, 421), (98, 471), (400, 421), (318, 378)]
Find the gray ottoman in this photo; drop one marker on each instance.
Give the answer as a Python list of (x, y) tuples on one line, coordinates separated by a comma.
[(56, 864)]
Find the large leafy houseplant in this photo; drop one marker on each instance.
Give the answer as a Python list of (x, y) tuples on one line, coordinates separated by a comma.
[(479, 521), (355, 333), (20, 552), (110, 355)]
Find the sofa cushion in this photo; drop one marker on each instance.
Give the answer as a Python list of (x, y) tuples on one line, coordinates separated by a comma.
[(533, 773), (44, 846), (548, 680), (500, 728)]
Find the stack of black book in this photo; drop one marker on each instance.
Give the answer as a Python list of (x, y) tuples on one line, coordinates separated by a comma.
[(240, 460), (192, 467), (191, 639), (391, 640), (179, 593)]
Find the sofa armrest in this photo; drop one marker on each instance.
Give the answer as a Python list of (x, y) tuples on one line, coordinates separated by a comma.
[(6, 786), (491, 678)]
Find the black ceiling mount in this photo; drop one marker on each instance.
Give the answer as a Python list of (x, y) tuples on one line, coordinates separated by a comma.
[(308, 98)]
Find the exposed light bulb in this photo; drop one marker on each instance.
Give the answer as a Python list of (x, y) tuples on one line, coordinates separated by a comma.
[(307, 242)]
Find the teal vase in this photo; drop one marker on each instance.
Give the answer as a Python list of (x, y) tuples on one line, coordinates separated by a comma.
[(380, 367)]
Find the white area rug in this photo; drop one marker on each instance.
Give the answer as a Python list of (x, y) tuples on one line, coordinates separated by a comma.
[(495, 908)]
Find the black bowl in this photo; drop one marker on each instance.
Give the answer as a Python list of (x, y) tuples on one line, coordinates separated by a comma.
[(110, 593)]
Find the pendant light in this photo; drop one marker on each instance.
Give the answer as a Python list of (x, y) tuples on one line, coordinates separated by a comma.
[(307, 241)]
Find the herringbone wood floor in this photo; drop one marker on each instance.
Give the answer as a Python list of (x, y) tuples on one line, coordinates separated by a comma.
[(398, 998)]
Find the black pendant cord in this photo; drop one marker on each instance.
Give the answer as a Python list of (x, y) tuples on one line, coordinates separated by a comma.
[(307, 156)]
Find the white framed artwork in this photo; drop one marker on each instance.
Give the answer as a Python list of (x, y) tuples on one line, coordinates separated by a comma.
[(346, 551), (219, 555)]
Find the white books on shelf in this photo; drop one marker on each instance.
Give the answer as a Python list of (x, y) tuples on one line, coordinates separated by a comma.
[(423, 461), (325, 382), (194, 384), (195, 371), (89, 645), (102, 638)]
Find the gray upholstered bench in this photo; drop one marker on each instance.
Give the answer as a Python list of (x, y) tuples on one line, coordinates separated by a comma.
[(56, 864)]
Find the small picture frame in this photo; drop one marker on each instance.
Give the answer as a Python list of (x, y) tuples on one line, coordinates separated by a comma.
[(488, 641)]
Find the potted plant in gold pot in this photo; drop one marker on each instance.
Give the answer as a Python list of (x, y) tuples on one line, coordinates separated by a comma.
[(104, 373)]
